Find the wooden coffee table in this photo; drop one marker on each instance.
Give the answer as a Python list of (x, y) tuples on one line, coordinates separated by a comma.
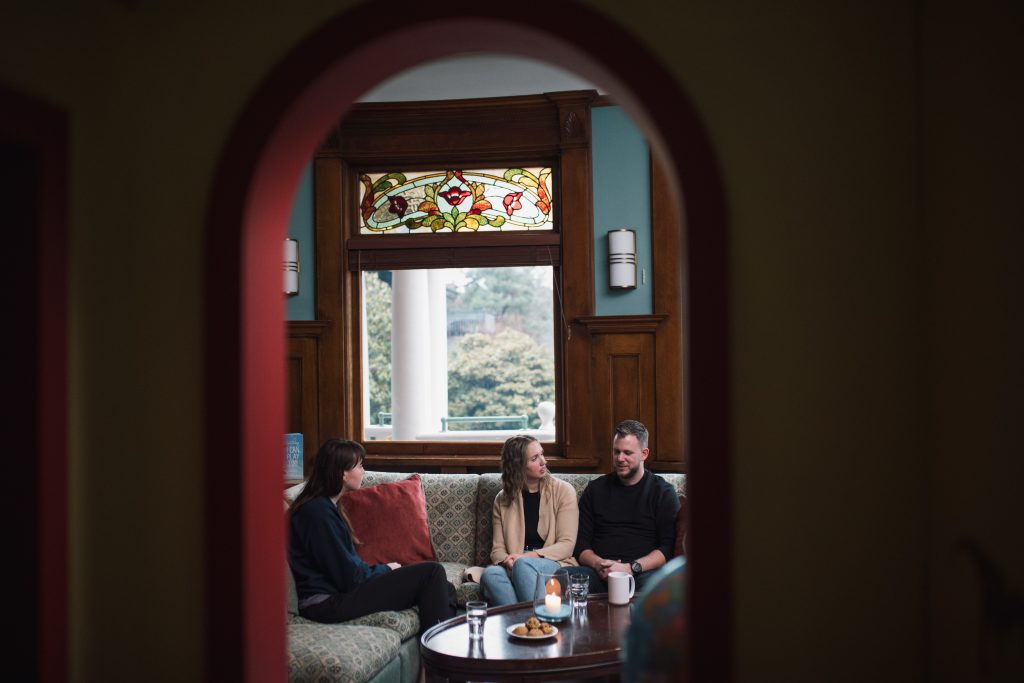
[(588, 645)]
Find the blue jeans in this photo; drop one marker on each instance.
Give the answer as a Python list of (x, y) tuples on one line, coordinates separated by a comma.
[(501, 589)]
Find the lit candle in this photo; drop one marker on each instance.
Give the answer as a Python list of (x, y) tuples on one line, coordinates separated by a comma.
[(552, 603)]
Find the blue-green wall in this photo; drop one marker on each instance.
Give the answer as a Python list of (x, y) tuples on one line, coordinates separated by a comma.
[(300, 227), (622, 199)]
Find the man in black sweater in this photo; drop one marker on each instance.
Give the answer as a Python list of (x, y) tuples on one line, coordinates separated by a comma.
[(627, 517)]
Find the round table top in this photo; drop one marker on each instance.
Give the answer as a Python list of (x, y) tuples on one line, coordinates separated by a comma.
[(588, 643)]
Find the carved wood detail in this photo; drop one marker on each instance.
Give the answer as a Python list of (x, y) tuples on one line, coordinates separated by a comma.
[(571, 127), (574, 119)]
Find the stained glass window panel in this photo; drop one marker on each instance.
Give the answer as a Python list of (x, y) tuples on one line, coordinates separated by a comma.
[(424, 202)]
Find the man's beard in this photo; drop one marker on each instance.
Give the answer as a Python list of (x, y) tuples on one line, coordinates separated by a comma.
[(628, 474)]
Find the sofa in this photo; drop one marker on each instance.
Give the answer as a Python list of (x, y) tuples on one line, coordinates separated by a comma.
[(383, 647)]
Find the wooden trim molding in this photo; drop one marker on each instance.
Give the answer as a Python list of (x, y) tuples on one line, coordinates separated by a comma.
[(621, 324), (453, 257), (307, 328)]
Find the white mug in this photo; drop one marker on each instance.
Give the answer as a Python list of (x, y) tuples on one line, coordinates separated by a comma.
[(621, 587)]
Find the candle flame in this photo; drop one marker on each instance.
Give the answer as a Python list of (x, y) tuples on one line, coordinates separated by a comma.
[(553, 587)]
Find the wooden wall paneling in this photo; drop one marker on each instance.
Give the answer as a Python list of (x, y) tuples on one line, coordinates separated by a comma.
[(630, 360), (301, 393), (303, 378), (670, 354), (623, 377), (626, 382), (327, 207)]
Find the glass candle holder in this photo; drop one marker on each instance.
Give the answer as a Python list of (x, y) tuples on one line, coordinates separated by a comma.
[(552, 598)]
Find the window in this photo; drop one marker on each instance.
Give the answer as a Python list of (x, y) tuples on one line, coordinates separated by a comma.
[(457, 353), (462, 354), (490, 196), (435, 201)]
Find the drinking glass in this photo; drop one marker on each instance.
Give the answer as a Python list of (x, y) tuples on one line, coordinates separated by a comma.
[(476, 614), (579, 584), (476, 649)]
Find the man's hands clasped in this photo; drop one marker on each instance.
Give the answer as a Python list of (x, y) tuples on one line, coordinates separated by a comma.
[(605, 567)]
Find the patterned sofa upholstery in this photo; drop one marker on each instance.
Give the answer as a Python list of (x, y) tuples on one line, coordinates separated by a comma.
[(382, 647)]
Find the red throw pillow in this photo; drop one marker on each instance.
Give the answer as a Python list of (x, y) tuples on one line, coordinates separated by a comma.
[(391, 521), (680, 527)]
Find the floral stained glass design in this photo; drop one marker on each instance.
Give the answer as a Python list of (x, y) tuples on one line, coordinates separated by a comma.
[(513, 199)]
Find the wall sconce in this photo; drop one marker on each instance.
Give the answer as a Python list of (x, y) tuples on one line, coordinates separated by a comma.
[(291, 267), (622, 259)]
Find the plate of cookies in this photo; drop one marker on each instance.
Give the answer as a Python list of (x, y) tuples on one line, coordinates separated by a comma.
[(532, 629)]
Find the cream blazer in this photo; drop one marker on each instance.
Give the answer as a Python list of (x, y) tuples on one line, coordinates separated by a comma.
[(558, 518)]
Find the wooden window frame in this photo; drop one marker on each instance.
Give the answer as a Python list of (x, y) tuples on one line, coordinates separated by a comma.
[(551, 130)]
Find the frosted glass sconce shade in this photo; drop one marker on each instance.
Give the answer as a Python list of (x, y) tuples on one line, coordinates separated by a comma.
[(622, 259), (291, 267)]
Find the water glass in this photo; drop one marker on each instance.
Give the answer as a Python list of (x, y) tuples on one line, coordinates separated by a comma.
[(476, 614), (476, 649), (579, 584)]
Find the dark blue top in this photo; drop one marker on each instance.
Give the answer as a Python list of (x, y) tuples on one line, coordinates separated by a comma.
[(322, 555), (620, 522)]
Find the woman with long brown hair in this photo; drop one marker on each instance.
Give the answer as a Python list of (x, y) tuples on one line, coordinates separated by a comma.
[(332, 581), (534, 519)]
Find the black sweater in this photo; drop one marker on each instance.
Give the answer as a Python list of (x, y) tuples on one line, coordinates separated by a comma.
[(620, 522), (322, 555)]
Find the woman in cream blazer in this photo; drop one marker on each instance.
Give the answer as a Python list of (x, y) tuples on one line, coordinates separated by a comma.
[(534, 521)]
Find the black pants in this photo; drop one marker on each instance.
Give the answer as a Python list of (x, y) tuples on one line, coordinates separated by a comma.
[(422, 585)]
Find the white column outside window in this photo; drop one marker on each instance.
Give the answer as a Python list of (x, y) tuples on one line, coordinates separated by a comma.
[(438, 301), (411, 395)]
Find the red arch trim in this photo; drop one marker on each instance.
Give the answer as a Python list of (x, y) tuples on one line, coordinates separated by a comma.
[(273, 140)]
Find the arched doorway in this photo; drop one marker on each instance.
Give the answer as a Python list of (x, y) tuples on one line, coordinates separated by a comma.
[(251, 196)]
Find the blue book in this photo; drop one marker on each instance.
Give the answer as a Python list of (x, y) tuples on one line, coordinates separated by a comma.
[(293, 457)]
